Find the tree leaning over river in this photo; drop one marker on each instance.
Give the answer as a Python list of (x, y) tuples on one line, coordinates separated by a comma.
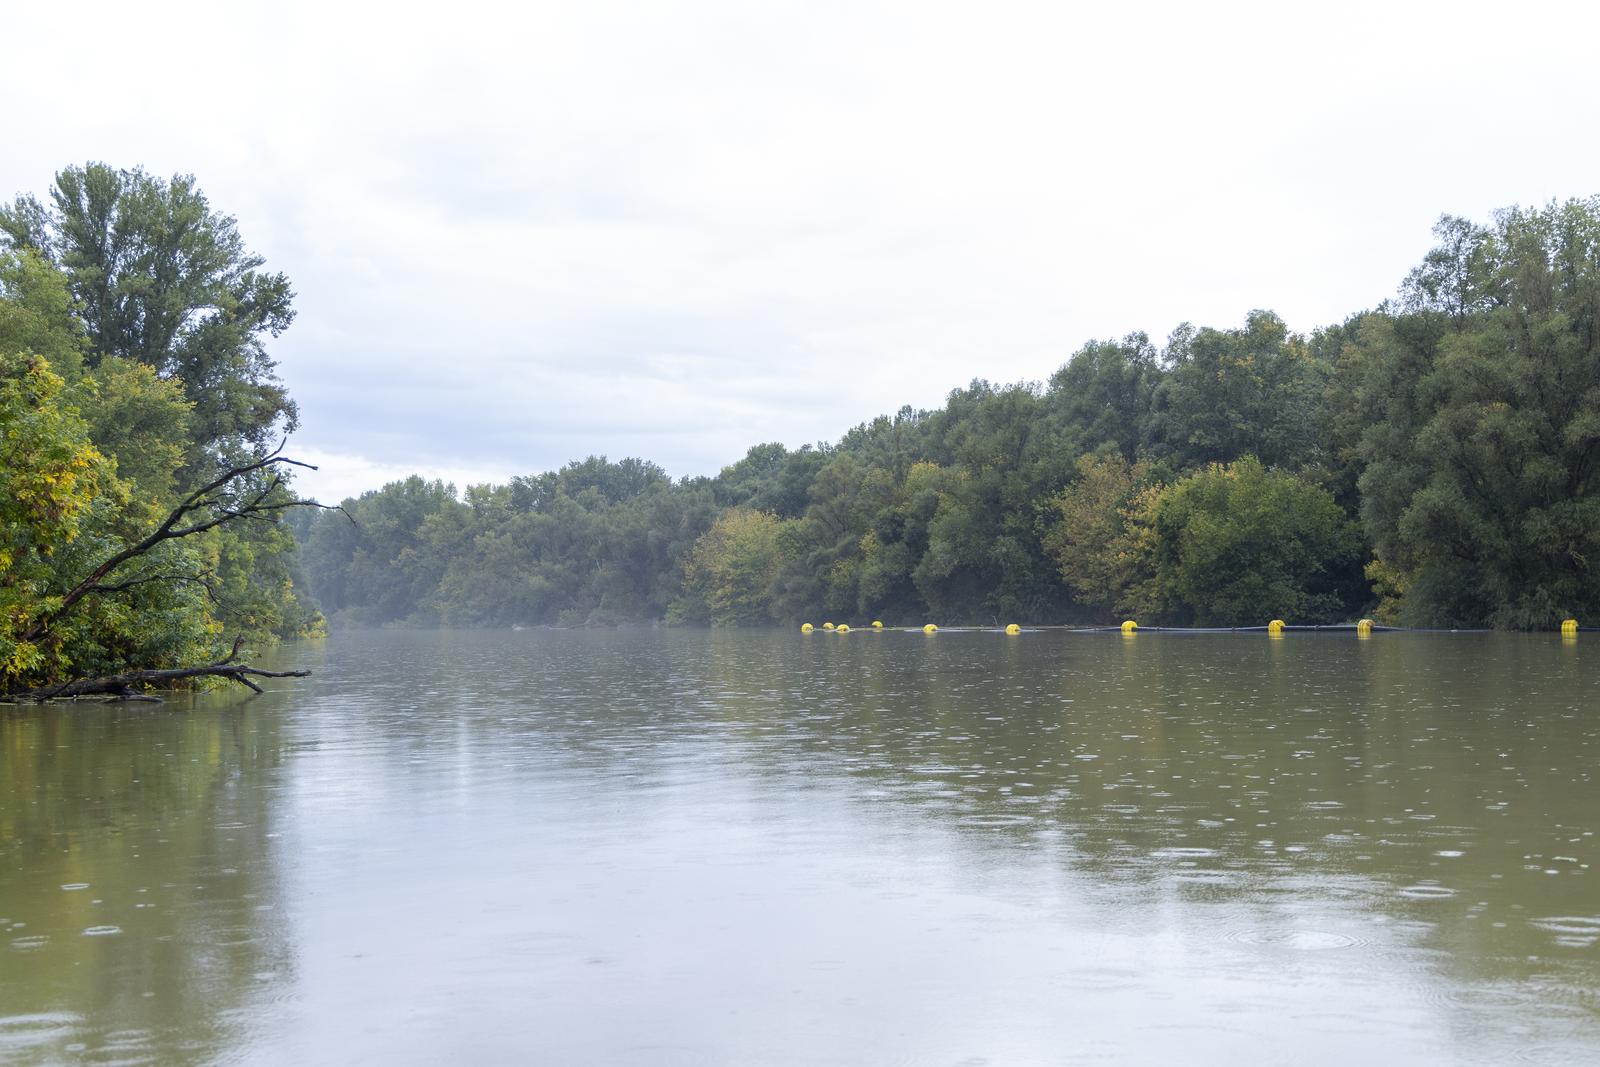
[(139, 486)]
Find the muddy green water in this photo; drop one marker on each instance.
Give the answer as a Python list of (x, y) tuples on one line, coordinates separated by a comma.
[(763, 848)]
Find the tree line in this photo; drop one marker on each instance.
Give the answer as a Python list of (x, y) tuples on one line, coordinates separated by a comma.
[(1430, 462), (140, 487)]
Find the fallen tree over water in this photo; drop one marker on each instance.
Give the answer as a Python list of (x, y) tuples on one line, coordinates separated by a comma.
[(134, 685)]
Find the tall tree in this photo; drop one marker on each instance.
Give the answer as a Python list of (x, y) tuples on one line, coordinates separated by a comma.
[(1105, 395), (160, 278), (1233, 393), (1481, 491)]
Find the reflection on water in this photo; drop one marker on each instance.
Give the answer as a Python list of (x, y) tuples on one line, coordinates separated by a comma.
[(137, 902), (739, 848)]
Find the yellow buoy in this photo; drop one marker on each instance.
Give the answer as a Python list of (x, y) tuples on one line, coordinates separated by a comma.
[(1275, 627), (877, 624), (842, 628), (1013, 629), (1129, 627), (806, 627), (1364, 628), (1569, 627), (930, 629), (827, 626)]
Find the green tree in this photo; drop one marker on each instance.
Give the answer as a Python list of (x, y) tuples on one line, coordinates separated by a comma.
[(1480, 485), (729, 575), (1105, 396), (140, 420), (1232, 393), (159, 277), (165, 297), (377, 565), (1092, 539), (1237, 544), (36, 313), (771, 478), (63, 512), (50, 477)]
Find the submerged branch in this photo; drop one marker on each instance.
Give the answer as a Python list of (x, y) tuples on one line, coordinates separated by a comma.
[(130, 685)]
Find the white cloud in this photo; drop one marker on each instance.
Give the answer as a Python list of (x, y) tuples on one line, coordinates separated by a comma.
[(340, 476), (520, 236)]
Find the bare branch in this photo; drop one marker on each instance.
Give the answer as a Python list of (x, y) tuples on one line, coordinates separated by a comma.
[(204, 580), (204, 501), (129, 684)]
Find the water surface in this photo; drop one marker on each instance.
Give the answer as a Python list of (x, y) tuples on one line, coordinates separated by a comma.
[(752, 848)]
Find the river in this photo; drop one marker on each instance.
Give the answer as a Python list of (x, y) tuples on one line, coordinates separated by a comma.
[(680, 847)]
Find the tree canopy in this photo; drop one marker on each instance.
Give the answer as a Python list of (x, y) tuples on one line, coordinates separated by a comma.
[(157, 277), (133, 375), (1432, 460)]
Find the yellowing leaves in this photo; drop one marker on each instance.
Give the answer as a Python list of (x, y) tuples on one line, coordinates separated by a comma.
[(51, 477), (733, 565)]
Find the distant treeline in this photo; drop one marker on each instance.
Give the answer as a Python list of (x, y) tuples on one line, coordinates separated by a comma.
[(1432, 462)]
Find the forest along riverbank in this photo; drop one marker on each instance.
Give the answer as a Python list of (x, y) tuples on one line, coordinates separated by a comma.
[(1428, 462)]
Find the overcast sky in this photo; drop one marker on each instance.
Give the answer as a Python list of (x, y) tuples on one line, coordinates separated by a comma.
[(522, 234)]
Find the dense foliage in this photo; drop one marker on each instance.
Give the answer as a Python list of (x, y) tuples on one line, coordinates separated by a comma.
[(132, 370), (1482, 395), (1433, 461)]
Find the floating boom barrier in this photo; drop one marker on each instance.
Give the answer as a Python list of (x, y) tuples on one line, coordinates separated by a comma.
[(1130, 628)]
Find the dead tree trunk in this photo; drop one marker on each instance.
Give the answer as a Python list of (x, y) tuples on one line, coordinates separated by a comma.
[(130, 685)]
